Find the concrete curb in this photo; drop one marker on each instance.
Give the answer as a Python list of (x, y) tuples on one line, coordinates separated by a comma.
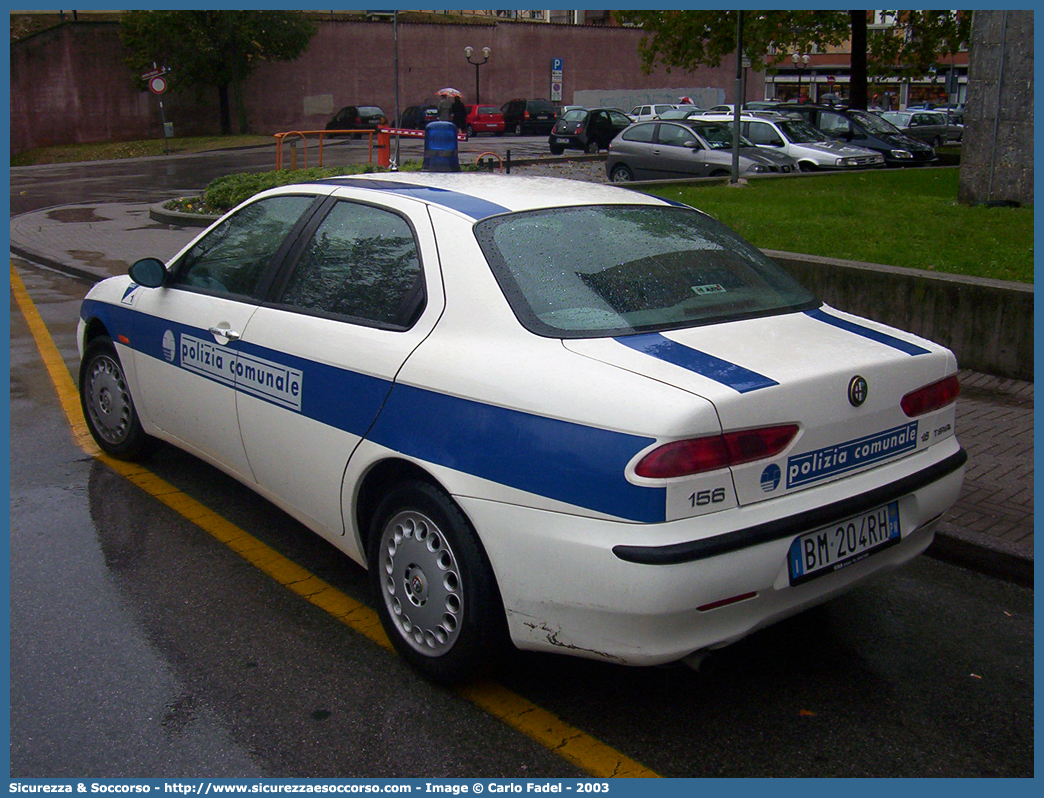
[(179, 218), (983, 554)]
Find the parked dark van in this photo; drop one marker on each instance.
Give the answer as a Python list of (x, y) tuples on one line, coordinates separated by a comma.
[(528, 117), (864, 129)]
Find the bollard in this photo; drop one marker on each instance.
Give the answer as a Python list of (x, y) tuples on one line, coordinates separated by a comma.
[(383, 148), (293, 155)]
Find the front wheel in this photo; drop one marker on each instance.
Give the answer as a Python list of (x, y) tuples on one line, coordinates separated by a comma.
[(621, 174), (437, 597), (518, 128), (804, 166), (470, 132), (107, 404)]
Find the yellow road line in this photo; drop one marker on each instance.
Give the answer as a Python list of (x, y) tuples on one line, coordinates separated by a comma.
[(583, 750)]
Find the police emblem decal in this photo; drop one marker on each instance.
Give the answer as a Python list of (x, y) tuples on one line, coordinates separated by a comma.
[(857, 391)]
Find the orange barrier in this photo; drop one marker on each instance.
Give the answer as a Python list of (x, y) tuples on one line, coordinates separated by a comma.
[(383, 145), (282, 137)]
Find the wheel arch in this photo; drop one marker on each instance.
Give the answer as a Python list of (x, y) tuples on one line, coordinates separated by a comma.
[(380, 478)]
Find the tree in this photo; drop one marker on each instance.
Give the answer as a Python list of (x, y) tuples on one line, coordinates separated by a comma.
[(911, 47), (213, 48)]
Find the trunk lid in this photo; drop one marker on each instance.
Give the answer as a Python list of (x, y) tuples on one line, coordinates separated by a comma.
[(798, 368)]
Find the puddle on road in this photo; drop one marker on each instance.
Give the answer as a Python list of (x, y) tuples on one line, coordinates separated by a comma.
[(100, 260), (76, 215)]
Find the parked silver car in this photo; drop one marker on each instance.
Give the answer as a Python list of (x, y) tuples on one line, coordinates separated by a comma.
[(927, 126), (689, 148), (812, 149)]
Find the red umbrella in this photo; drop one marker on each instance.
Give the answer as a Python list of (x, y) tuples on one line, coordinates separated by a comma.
[(449, 93)]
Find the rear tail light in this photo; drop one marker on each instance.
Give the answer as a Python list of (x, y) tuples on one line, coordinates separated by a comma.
[(525, 115), (697, 455), (931, 397)]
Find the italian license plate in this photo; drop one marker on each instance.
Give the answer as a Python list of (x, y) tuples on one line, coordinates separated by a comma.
[(559, 140), (842, 544)]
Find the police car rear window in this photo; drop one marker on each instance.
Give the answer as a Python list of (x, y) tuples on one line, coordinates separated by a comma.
[(610, 270)]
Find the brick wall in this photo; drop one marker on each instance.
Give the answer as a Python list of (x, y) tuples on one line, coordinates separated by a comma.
[(70, 85)]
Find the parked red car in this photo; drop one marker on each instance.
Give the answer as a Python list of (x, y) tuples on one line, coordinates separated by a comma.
[(484, 119)]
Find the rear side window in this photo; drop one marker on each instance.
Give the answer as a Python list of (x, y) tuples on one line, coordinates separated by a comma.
[(641, 133), (642, 268), (362, 263)]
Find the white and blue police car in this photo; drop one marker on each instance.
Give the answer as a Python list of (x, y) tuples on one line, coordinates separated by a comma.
[(564, 415)]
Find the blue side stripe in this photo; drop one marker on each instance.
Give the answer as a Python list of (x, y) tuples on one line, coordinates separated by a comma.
[(471, 206), (561, 460), (569, 462), (736, 377), (866, 332)]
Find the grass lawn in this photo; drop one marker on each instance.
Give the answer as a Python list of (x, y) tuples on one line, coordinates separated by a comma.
[(69, 153), (899, 217)]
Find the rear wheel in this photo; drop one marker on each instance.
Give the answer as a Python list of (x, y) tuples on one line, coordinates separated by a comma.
[(518, 128), (107, 404), (592, 147), (621, 174), (557, 149), (438, 599), (470, 131)]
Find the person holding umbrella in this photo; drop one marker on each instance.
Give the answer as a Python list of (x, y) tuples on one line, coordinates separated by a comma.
[(446, 104)]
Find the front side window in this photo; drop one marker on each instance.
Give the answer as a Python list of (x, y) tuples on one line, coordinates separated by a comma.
[(361, 264), (834, 124), (642, 268), (674, 135), (763, 133), (233, 257)]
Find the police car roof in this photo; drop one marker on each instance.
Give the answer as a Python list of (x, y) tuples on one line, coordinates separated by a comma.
[(481, 195)]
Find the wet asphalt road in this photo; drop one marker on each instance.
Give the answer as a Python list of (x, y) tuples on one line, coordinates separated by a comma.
[(153, 179), (140, 646)]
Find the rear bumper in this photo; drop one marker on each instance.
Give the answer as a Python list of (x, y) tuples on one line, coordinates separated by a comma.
[(794, 525), (566, 587)]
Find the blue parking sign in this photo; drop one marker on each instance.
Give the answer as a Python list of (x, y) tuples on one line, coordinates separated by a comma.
[(556, 64)]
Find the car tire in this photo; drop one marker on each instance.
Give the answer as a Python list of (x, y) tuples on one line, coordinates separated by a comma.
[(621, 174), (437, 597), (108, 407), (556, 149), (518, 128), (470, 131), (721, 173), (804, 166), (591, 148)]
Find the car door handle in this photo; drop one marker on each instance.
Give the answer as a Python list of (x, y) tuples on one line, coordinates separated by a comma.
[(226, 333)]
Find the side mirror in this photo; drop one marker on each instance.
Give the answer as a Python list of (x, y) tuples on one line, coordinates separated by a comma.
[(692, 145), (149, 272)]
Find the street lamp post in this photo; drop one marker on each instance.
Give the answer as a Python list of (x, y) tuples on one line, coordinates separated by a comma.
[(800, 62), (486, 52)]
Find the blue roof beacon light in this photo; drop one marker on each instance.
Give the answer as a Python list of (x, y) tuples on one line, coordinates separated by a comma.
[(440, 147)]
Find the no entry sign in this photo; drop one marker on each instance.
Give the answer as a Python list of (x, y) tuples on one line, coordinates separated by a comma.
[(157, 85)]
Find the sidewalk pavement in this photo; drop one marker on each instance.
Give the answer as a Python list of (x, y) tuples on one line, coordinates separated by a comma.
[(990, 529)]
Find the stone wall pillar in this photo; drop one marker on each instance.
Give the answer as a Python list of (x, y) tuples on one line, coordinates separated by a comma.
[(997, 152)]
